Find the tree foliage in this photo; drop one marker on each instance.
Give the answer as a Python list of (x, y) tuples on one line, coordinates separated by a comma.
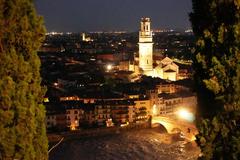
[(216, 25), (22, 125)]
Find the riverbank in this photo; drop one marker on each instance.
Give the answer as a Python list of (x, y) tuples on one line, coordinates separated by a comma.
[(54, 138)]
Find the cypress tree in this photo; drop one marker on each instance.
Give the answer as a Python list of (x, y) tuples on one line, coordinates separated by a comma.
[(216, 25), (22, 115)]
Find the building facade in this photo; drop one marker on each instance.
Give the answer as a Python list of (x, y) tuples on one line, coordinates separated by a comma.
[(102, 114), (74, 116)]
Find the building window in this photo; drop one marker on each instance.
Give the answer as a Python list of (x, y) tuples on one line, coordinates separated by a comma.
[(75, 112)]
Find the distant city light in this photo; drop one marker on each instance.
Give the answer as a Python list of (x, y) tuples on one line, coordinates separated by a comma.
[(54, 33), (188, 31)]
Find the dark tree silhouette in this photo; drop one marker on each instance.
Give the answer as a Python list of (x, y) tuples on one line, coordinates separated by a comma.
[(216, 25), (22, 115)]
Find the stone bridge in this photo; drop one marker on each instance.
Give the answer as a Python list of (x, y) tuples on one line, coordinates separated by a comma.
[(171, 125)]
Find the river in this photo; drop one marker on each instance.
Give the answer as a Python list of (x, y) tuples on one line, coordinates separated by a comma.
[(147, 144)]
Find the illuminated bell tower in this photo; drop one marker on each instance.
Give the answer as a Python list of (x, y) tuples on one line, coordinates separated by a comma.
[(145, 46)]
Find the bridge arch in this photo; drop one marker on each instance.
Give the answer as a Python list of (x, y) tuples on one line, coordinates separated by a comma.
[(165, 123), (160, 127)]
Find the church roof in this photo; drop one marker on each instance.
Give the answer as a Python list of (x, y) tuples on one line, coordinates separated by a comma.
[(169, 65), (166, 61)]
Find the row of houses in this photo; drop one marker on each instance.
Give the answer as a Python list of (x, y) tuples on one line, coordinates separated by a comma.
[(77, 114), (73, 112)]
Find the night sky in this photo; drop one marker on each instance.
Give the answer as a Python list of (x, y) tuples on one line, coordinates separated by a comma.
[(113, 15)]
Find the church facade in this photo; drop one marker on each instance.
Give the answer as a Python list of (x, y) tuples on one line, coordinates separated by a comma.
[(167, 69)]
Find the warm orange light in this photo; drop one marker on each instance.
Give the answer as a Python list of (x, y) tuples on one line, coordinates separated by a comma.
[(155, 111), (193, 138), (73, 128)]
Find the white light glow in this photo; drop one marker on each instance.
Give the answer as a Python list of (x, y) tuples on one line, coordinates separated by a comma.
[(186, 115), (109, 67)]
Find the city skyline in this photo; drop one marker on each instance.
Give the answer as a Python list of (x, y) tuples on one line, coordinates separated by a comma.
[(120, 15)]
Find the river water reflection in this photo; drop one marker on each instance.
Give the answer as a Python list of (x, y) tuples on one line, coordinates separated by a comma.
[(146, 144)]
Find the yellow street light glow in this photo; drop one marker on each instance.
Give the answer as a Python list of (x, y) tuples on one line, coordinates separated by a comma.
[(186, 115), (155, 109), (73, 127), (193, 138)]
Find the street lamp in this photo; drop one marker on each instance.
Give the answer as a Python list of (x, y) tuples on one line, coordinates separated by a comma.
[(109, 67)]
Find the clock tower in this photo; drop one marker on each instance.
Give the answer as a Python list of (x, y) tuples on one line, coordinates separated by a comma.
[(145, 46)]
